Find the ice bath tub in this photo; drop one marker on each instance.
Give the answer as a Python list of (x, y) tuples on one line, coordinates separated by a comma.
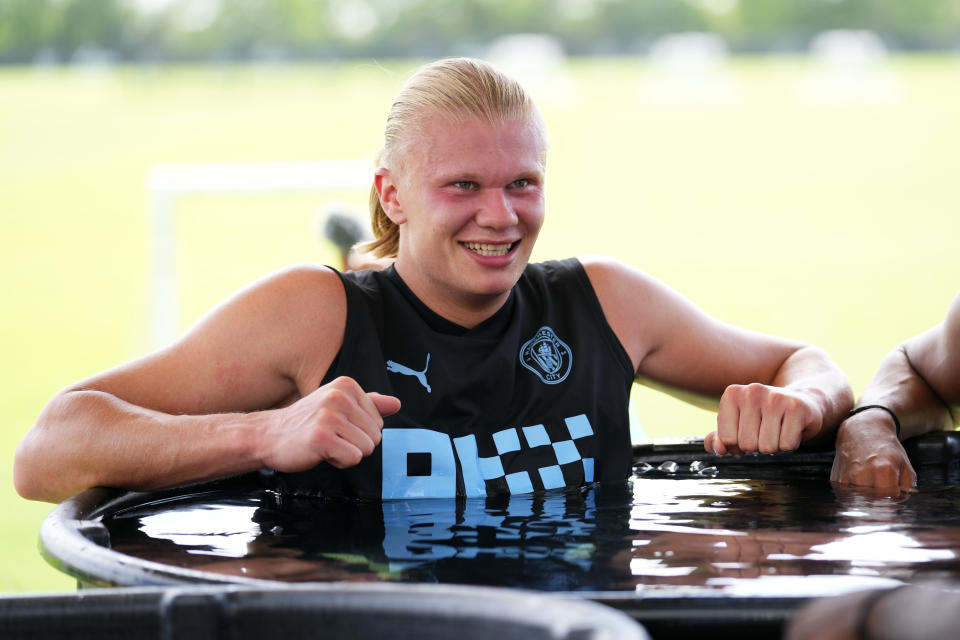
[(330, 611), (736, 543)]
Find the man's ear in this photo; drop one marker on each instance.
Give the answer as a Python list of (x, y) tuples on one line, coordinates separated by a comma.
[(389, 195)]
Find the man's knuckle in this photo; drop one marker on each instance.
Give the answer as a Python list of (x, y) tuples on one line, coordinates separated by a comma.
[(321, 438), (883, 465), (338, 397), (732, 393), (344, 384), (785, 404), (756, 390)]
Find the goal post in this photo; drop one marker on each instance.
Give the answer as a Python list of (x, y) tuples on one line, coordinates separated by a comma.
[(169, 182)]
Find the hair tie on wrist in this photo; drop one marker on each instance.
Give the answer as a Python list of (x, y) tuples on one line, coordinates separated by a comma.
[(896, 421), (861, 629)]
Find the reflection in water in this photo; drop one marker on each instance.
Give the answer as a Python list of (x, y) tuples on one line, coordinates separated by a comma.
[(785, 535)]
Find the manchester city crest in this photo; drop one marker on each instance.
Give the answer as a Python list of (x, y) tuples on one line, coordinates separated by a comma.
[(547, 356)]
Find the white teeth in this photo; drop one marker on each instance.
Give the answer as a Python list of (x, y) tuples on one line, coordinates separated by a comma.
[(488, 249)]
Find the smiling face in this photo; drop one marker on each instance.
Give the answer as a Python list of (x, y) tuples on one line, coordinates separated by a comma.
[(468, 199)]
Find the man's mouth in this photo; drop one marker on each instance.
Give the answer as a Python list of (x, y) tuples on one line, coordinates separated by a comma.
[(488, 250)]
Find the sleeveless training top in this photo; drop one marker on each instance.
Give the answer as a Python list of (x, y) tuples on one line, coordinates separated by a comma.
[(535, 397)]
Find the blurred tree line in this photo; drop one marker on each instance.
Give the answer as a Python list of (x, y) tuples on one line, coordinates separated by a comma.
[(182, 30)]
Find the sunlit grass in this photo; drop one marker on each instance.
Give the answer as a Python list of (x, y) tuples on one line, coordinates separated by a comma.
[(832, 224)]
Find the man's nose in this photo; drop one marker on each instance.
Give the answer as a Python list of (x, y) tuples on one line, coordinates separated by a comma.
[(496, 210)]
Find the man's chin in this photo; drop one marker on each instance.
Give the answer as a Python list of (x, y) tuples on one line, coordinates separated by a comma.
[(498, 283)]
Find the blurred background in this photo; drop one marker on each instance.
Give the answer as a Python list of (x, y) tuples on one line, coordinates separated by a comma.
[(789, 166)]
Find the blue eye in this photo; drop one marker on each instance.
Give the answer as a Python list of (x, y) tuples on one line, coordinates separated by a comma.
[(519, 184), (466, 185)]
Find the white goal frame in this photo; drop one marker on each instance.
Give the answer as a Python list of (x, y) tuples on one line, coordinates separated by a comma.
[(168, 183)]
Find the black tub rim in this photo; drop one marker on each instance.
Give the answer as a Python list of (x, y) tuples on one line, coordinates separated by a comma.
[(565, 619), (70, 532)]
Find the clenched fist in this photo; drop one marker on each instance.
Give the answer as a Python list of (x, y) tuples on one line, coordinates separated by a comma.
[(339, 423), (759, 417)]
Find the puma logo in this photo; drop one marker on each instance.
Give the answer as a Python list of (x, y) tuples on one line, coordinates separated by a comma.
[(407, 371)]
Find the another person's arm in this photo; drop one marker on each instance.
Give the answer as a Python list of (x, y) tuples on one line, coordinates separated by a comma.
[(919, 611), (770, 394), (240, 391), (920, 382)]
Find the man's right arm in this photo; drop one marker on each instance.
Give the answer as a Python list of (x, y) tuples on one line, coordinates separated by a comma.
[(920, 382), (240, 391)]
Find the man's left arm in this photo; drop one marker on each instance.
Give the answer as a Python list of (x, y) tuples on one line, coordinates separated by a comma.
[(771, 394), (804, 402)]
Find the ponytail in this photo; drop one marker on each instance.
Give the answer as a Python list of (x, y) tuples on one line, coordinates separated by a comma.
[(386, 233)]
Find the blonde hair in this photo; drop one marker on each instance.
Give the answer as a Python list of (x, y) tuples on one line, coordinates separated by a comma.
[(457, 88)]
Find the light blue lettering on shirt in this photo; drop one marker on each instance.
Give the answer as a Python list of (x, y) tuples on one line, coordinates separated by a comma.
[(398, 444)]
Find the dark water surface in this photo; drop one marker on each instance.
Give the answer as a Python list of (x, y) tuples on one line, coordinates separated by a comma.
[(792, 534)]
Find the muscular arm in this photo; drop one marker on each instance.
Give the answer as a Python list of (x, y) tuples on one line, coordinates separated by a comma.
[(238, 392), (913, 611), (920, 382), (771, 394)]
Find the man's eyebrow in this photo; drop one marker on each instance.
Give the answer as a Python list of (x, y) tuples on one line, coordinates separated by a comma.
[(457, 176)]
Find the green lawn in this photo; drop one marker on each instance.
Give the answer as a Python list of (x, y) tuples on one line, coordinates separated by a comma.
[(833, 223)]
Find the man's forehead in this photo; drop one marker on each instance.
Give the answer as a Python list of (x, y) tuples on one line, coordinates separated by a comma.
[(451, 141)]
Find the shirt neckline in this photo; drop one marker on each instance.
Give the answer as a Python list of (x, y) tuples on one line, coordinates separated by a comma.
[(493, 326)]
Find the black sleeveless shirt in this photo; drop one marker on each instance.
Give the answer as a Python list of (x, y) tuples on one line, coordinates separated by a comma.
[(533, 398)]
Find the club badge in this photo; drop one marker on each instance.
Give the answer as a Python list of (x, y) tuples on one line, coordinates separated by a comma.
[(547, 356)]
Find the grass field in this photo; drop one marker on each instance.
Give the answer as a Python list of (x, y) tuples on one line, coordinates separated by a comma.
[(831, 222)]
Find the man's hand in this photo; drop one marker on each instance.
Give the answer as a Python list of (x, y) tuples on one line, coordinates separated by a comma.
[(869, 454), (338, 423), (830, 618), (759, 417)]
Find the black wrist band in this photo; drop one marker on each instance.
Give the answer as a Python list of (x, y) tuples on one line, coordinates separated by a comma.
[(867, 605), (896, 421)]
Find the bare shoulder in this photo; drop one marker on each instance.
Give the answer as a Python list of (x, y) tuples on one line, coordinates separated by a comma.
[(303, 297), (950, 342), (267, 344), (626, 289), (305, 275), (612, 278), (600, 268), (297, 313), (672, 342), (952, 326), (935, 355), (304, 290), (636, 305), (617, 286)]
